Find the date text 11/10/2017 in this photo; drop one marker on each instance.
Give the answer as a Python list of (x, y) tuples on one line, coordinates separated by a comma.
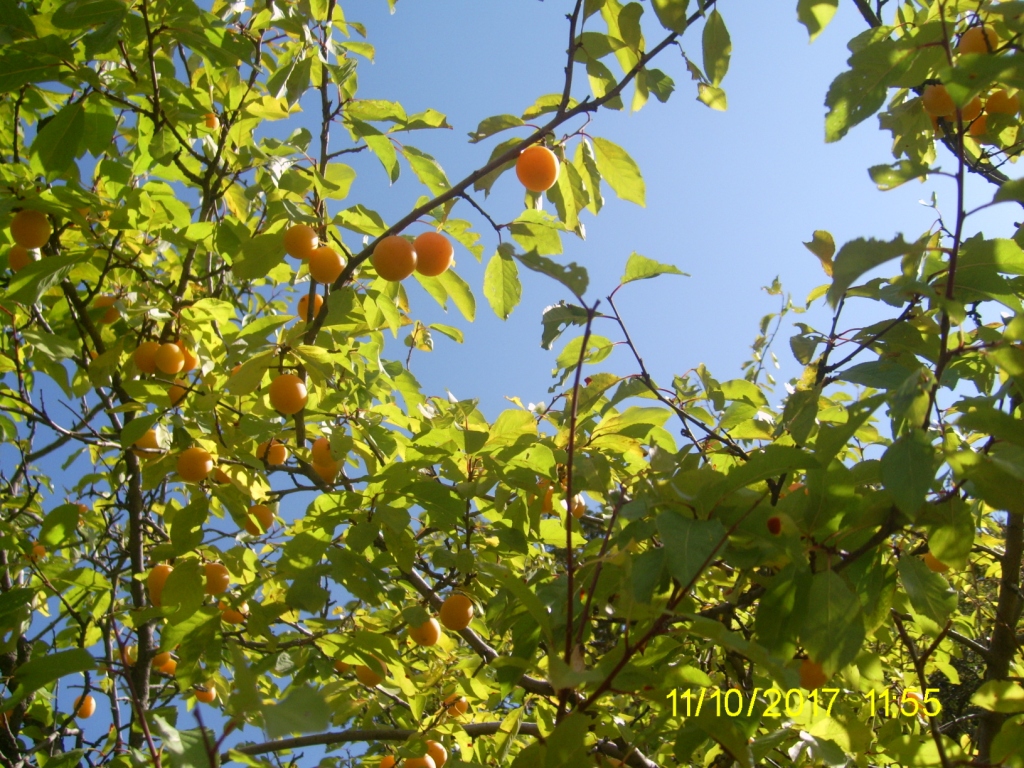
[(791, 703)]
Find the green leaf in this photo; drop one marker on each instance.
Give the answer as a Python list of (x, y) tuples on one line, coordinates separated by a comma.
[(557, 318), (55, 347), (999, 696), (492, 125), (501, 282), (259, 255), (888, 177), (816, 14), (537, 232), (712, 97), (566, 746), (586, 166), (877, 64), (620, 171), (689, 544), (335, 184), (671, 14), (40, 276), (427, 170), (823, 246), (303, 710), (56, 145), (717, 48), (459, 292), (641, 268), (908, 471), (59, 525), (79, 14), (860, 256), (184, 588), (571, 275), (34, 674), (832, 630), (186, 749), (929, 593), (485, 182), (1010, 191)]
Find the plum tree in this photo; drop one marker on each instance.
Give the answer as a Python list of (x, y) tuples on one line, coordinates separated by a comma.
[(860, 529)]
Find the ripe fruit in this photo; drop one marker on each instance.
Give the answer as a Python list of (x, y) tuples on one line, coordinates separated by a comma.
[(937, 101), (205, 695), (300, 240), (191, 361), (456, 612), (259, 519), (979, 127), (1000, 102), (272, 451), (302, 310), (169, 358), (934, 564), (437, 751), (394, 258), (112, 314), (129, 656), (371, 677), (388, 761), (169, 667), (145, 356), (38, 552), (427, 633), (288, 394), (231, 615), (341, 667), (322, 451), (812, 675), (217, 578), (161, 658), (774, 525), (85, 706), (456, 705), (155, 582), (978, 40), (220, 476), (579, 506), (971, 109), (433, 253), (147, 443), (547, 503), (327, 472), (537, 168), (18, 258), (212, 121), (194, 464), (30, 229), (325, 265), (177, 391)]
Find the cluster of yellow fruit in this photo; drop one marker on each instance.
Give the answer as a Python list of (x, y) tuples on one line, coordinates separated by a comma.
[(218, 579), (578, 507), (940, 105), (436, 757), (394, 258), (30, 231)]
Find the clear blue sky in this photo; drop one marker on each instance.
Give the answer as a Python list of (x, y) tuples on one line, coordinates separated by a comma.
[(730, 196)]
